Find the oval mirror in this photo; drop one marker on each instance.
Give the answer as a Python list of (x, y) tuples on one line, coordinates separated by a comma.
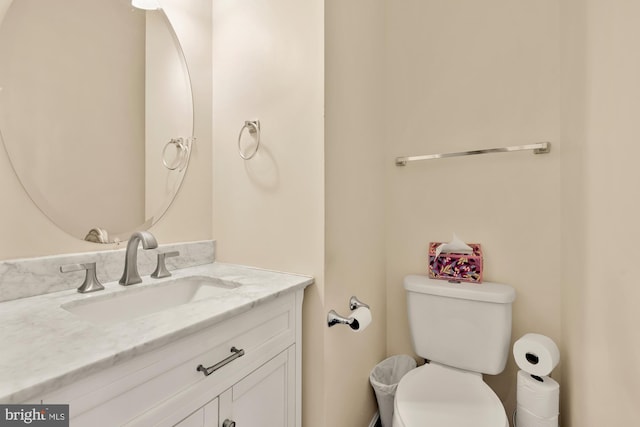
[(96, 112)]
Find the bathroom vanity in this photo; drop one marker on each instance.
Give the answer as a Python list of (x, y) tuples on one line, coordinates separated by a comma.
[(230, 356)]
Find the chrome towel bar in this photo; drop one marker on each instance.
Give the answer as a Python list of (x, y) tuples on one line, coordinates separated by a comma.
[(538, 148)]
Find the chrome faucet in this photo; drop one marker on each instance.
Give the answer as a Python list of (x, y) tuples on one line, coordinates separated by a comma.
[(130, 276)]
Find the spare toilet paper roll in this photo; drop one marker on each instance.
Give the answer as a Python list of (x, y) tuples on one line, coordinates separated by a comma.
[(525, 418), (362, 315), (536, 354), (540, 396)]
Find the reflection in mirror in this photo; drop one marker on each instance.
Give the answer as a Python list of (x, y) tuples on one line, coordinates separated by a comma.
[(94, 97)]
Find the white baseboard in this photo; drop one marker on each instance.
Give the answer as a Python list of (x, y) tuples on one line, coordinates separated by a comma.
[(374, 420)]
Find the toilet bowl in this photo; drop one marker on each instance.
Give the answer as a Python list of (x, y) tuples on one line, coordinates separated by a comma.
[(439, 396)]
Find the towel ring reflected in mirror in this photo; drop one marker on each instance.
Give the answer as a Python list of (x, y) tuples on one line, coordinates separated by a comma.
[(181, 159)]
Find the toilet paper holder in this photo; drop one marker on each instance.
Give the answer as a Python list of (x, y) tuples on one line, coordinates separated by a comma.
[(334, 318)]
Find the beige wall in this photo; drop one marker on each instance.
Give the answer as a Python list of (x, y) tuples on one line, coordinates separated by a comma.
[(600, 177), (269, 211), (26, 232), (354, 204), (574, 236), (299, 205), (467, 75)]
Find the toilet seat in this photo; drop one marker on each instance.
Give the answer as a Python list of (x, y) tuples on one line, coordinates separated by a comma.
[(438, 396)]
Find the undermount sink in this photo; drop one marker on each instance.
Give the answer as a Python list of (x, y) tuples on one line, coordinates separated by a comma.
[(135, 302)]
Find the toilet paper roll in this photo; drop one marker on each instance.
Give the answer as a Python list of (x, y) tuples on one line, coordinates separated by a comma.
[(540, 395), (536, 354), (362, 315), (525, 418)]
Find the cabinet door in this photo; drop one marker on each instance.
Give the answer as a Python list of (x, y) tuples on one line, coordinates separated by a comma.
[(264, 398), (211, 414), (207, 416), (194, 420)]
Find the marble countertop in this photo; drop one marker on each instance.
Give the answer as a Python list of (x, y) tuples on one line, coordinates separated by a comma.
[(44, 347)]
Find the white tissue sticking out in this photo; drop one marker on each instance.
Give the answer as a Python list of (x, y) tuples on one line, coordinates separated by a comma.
[(455, 245)]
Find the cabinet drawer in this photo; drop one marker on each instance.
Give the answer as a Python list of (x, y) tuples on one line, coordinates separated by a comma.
[(169, 374)]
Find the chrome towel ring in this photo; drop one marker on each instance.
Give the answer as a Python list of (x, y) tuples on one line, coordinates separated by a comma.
[(254, 129), (182, 156)]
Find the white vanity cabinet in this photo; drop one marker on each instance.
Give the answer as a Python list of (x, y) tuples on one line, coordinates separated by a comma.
[(163, 387)]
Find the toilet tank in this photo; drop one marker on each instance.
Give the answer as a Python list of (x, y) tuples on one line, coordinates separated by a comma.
[(463, 325)]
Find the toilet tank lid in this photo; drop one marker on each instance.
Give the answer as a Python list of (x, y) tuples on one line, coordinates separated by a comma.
[(486, 291)]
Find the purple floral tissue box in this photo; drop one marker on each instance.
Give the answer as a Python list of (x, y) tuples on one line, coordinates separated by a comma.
[(456, 267)]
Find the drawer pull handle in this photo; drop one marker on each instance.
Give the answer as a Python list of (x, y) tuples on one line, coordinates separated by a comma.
[(229, 423), (211, 369)]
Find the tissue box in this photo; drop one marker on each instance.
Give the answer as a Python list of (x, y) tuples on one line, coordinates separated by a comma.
[(458, 267)]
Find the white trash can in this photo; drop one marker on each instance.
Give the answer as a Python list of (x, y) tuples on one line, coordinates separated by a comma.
[(384, 379)]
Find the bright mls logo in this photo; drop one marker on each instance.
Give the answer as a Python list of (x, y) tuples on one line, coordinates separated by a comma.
[(34, 415)]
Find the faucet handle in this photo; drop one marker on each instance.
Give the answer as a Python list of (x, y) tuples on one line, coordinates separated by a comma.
[(91, 282), (161, 269)]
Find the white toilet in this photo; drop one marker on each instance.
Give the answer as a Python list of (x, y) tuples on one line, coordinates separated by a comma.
[(464, 330)]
